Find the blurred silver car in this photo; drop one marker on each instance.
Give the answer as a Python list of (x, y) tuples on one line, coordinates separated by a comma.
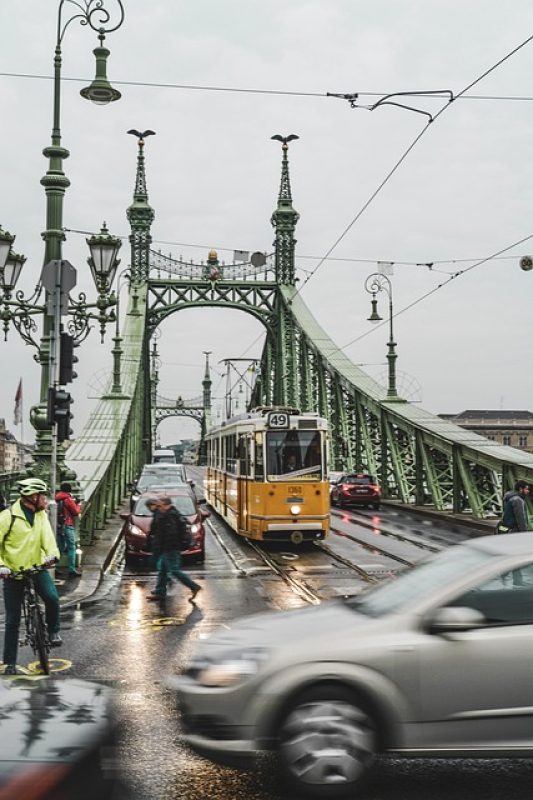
[(437, 662)]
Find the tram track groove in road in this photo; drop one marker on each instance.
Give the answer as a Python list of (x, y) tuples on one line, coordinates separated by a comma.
[(298, 586), (373, 547), (347, 563), (401, 537)]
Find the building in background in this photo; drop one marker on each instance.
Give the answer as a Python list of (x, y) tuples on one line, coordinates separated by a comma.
[(13, 454), (513, 428)]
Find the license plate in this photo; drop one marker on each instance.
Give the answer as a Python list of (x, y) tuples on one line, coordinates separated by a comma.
[(361, 491)]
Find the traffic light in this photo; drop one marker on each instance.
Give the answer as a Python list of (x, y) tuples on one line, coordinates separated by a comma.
[(58, 411), (67, 359)]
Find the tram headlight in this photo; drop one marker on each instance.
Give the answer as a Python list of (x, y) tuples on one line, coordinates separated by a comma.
[(295, 510), (234, 668)]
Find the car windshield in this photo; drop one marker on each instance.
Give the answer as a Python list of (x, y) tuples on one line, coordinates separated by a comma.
[(184, 504), (150, 478), (359, 480), (413, 584)]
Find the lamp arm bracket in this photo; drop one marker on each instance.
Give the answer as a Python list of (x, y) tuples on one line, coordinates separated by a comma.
[(91, 13)]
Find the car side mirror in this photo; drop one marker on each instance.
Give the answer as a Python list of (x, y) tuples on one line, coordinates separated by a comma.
[(453, 619), (124, 515), (205, 514)]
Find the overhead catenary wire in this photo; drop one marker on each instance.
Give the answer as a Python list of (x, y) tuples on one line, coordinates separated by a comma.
[(409, 149), (249, 90)]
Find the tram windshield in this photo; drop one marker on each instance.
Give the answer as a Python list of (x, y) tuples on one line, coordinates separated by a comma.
[(294, 455)]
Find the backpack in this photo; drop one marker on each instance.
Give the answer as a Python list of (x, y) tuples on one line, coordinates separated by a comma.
[(185, 536), (61, 513)]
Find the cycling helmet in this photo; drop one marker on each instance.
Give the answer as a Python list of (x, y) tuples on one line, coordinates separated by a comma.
[(30, 486)]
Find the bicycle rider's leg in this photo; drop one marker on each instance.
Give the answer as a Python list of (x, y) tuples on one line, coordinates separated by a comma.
[(47, 591), (13, 594)]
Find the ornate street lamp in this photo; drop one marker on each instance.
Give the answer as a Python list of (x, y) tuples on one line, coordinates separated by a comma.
[(58, 276), (377, 283), (6, 240)]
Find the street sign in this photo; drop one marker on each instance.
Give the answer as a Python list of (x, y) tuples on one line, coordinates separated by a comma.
[(58, 277)]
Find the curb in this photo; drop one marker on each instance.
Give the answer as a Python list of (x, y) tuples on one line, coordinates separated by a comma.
[(88, 586)]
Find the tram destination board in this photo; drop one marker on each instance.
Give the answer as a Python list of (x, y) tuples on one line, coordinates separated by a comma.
[(278, 420)]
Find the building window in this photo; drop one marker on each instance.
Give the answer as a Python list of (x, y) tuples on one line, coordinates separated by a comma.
[(507, 440), (491, 437), (522, 441)]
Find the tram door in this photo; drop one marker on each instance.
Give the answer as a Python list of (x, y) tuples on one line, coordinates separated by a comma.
[(245, 461)]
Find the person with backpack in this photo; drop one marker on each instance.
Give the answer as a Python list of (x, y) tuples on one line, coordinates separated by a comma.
[(515, 516), (27, 539), (67, 511), (171, 538)]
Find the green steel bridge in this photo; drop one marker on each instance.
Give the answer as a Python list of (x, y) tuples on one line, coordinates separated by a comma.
[(420, 458)]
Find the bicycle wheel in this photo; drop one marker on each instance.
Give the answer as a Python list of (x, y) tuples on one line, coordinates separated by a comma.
[(40, 642)]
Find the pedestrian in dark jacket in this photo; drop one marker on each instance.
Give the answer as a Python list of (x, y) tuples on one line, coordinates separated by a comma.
[(169, 541), (515, 509), (66, 531)]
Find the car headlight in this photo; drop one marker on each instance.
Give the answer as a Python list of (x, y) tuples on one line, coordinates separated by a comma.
[(136, 531), (195, 528), (232, 669)]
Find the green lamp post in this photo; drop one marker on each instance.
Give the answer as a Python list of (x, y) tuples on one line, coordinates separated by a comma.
[(377, 283), (21, 311), (90, 13)]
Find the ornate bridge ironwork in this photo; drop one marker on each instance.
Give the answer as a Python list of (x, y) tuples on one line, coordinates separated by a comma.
[(418, 457)]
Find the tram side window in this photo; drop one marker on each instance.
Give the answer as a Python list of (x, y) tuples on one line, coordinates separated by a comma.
[(231, 454), (244, 456), (259, 464)]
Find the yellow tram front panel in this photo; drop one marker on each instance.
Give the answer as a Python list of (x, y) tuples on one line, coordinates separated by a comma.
[(283, 511)]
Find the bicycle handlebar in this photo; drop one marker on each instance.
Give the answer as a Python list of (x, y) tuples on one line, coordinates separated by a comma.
[(21, 573)]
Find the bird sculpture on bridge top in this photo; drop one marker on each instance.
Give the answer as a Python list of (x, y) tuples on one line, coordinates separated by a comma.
[(141, 136), (285, 139)]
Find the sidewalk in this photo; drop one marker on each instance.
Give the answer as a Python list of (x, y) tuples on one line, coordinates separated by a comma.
[(95, 560)]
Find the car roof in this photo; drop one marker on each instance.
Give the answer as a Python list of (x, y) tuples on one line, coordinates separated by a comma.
[(509, 544)]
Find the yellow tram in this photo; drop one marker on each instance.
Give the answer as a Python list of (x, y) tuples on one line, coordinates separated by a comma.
[(267, 474)]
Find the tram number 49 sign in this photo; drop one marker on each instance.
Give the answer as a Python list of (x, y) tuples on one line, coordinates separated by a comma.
[(278, 419)]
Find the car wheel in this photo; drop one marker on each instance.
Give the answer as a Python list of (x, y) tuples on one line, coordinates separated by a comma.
[(327, 742)]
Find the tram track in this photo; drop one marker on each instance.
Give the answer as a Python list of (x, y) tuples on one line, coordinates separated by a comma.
[(375, 548), (298, 586), (383, 531)]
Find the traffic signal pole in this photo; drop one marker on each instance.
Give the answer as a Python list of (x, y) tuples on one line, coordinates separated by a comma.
[(58, 277), (53, 384)]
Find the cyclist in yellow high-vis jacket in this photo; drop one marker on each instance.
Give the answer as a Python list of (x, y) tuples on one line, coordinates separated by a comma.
[(27, 540)]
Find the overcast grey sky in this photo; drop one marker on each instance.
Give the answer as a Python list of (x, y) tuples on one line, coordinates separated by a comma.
[(462, 194)]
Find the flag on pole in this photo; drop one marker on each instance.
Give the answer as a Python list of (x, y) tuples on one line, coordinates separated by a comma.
[(17, 419)]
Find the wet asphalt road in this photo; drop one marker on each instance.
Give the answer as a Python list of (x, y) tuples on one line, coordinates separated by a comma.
[(124, 639)]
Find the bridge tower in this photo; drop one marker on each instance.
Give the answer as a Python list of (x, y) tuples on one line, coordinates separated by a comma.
[(141, 215)]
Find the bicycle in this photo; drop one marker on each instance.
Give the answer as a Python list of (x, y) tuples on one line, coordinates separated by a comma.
[(36, 632)]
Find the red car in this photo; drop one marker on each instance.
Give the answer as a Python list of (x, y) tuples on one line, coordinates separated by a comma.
[(356, 489), (137, 524)]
